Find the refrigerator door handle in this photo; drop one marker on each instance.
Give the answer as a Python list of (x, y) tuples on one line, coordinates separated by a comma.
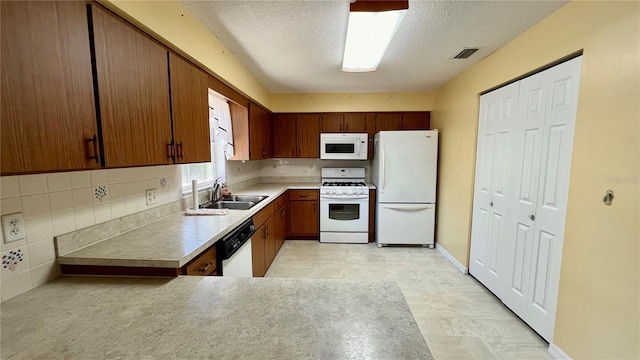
[(383, 169), (408, 207)]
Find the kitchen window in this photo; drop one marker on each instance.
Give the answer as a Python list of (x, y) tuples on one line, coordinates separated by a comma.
[(221, 147)]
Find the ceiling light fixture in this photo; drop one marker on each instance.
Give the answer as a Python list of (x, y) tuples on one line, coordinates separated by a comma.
[(370, 30)]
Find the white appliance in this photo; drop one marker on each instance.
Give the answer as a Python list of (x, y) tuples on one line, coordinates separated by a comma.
[(234, 251), (343, 146), (404, 170), (344, 206)]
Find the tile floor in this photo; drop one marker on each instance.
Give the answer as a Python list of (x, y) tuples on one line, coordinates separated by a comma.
[(458, 317)]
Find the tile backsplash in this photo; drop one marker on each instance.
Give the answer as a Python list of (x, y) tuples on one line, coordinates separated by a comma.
[(58, 203), (305, 167)]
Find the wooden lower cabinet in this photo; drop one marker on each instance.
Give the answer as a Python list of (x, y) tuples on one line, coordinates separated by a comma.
[(258, 252), (269, 235), (203, 265), (304, 214), (281, 224)]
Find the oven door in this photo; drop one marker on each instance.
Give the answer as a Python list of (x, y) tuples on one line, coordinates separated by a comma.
[(344, 214), (343, 147)]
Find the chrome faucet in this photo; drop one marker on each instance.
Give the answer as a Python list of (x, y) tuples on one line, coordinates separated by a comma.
[(215, 188)]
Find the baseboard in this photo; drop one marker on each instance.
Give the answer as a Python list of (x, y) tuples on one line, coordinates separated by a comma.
[(452, 260), (557, 353)]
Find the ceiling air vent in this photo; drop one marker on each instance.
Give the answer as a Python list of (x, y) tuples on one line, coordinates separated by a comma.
[(466, 53)]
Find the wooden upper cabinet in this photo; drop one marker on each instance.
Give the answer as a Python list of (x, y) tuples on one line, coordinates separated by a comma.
[(415, 121), (133, 88), (240, 126), (388, 121), (267, 134), (308, 135), (343, 123), (190, 111), (354, 123), (47, 112), (332, 123), (256, 124), (285, 136)]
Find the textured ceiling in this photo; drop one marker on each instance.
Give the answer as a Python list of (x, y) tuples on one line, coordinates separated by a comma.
[(297, 46)]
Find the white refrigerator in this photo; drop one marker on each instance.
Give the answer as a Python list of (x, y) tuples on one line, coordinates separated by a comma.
[(404, 170)]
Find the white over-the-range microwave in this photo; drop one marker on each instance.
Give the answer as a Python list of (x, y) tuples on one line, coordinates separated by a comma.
[(343, 146)]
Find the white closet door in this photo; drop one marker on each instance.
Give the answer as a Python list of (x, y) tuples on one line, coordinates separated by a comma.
[(527, 134), (497, 111), (552, 195)]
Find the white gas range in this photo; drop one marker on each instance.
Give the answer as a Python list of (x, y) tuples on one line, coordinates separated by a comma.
[(344, 206)]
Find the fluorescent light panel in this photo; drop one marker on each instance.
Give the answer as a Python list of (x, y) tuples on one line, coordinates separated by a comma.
[(368, 36)]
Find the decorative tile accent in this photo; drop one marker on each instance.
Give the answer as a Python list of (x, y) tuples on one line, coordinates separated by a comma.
[(12, 259), (100, 193), (163, 183)]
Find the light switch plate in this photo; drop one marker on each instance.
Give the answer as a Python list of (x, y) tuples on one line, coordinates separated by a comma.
[(152, 196), (13, 227)]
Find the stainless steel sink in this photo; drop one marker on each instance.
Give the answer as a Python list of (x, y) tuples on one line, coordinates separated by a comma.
[(245, 198), (234, 205)]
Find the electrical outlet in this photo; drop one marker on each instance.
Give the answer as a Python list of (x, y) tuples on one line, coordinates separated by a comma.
[(13, 227), (152, 196)]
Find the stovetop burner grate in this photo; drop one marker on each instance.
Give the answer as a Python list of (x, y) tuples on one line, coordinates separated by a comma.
[(346, 183)]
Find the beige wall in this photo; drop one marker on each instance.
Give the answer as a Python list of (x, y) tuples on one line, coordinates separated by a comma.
[(598, 305), (173, 22), (338, 102)]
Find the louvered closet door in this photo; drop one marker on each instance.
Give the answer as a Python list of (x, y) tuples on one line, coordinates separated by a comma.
[(491, 196)]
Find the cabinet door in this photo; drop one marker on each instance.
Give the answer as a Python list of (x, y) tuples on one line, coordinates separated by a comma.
[(258, 251), (415, 121), (47, 112), (370, 120), (284, 133), (267, 134), (256, 148), (281, 225), (304, 218), (270, 242), (308, 144), (388, 121), (355, 123), (240, 125), (133, 88), (332, 123), (190, 111)]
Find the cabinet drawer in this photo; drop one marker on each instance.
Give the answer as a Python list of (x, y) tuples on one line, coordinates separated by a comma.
[(280, 201), (303, 194), (204, 264), (263, 215)]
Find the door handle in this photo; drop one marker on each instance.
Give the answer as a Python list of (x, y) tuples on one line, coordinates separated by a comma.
[(491, 203), (383, 169), (532, 217), (408, 207)]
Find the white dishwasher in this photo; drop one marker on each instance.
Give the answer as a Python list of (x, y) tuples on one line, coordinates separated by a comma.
[(234, 251)]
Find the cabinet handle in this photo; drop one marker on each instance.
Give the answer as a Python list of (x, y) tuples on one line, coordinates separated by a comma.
[(205, 268), (264, 153), (303, 195), (171, 155), (179, 149), (282, 214), (267, 228), (95, 155)]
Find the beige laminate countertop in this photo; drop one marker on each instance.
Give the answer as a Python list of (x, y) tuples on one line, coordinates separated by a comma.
[(173, 241)]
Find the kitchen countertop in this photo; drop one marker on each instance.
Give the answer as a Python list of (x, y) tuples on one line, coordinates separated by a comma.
[(173, 241), (211, 318)]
